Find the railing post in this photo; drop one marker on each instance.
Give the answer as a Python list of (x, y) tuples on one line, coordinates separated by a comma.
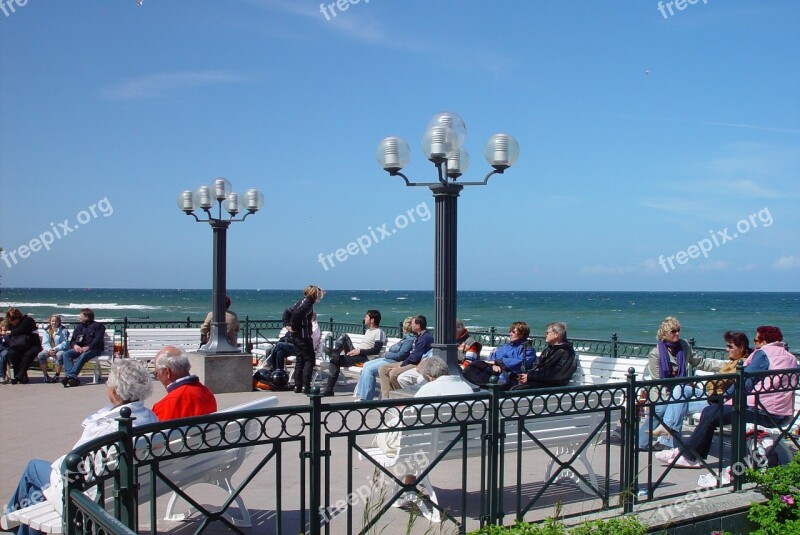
[(330, 325), (493, 438), (125, 336), (492, 331), (315, 455), (691, 342), (246, 333), (72, 471), (614, 341), (738, 426), (188, 322), (125, 492), (628, 470)]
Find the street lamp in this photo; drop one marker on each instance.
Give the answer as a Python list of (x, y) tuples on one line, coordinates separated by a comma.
[(204, 198), (442, 144)]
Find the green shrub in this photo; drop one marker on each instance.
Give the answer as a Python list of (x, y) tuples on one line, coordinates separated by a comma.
[(781, 486), (615, 526)]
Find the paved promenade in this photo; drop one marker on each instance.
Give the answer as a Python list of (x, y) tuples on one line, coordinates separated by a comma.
[(43, 421)]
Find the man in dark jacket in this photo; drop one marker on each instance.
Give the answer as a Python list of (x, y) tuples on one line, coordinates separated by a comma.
[(388, 373), (86, 344), (555, 364)]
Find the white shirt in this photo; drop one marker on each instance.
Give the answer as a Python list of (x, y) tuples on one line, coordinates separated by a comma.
[(446, 385)]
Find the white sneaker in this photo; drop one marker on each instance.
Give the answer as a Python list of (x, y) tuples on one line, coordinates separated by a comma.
[(667, 456)]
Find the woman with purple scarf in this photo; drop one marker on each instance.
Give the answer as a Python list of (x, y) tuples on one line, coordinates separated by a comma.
[(670, 358)]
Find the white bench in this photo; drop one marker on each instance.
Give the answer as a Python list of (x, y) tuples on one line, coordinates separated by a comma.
[(143, 344), (215, 468), (106, 357), (560, 434)]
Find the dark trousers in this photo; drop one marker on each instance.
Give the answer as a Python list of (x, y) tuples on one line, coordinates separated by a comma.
[(21, 360), (710, 421), (335, 366), (304, 365)]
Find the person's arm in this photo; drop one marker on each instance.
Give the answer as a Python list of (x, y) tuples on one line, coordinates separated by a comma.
[(421, 346), (98, 332), (653, 363), (63, 334), (205, 328), (759, 363)]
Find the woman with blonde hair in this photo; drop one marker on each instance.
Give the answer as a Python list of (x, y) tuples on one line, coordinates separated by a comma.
[(365, 389), (671, 357), (54, 342), (298, 321)]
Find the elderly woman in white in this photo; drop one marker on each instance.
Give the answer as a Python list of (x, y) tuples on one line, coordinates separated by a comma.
[(128, 385)]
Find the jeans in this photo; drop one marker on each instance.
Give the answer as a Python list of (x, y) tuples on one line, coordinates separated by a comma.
[(365, 389), (74, 361), (45, 354), (29, 490), (644, 429), (282, 350), (3, 363), (676, 412)]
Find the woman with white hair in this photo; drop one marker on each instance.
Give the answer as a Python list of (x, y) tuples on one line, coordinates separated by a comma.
[(128, 385), (439, 383)]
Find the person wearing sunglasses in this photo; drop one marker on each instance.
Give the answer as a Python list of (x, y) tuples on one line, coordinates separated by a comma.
[(671, 357)]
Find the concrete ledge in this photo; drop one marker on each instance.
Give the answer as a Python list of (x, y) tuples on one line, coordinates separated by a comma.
[(224, 373)]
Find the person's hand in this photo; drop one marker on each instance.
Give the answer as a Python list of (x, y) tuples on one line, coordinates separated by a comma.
[(497, 369), (353, 352), (52, 352), (77, 348), (523, 378)]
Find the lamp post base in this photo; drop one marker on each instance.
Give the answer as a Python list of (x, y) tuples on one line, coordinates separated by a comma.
[(224, 373), (449, 353)]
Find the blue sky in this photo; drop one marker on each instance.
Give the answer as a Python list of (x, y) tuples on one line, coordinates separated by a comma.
[(645, 140)]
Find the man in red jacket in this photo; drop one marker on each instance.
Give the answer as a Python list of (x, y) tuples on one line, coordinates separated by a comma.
[(186, 396)]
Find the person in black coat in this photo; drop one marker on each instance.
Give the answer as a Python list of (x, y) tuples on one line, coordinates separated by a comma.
[(297, 319), (24, 344), (557, 362), (86, 344)]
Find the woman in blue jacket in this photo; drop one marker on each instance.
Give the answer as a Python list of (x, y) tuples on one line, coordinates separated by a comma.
[(54, 342)]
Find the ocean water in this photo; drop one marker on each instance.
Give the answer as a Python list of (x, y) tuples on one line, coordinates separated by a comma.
[(634, 316)]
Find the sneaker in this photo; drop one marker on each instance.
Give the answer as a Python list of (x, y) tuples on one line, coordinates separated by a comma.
[(667, 456), (683, 462), (64, 381), (55, 379), (71, 382)]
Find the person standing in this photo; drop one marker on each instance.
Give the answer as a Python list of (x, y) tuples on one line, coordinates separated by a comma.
[(298, 321), (86, 344)]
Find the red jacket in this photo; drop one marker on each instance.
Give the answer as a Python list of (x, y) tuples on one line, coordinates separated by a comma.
[(190, 398)]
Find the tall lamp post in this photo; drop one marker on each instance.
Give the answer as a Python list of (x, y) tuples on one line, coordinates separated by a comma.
[(204, 198), (442, 145)]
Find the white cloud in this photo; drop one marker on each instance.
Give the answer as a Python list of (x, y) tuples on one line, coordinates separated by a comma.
[(158, 85), (787, 262), (753, 127)]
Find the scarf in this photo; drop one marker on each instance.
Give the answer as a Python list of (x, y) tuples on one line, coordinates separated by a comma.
[(664, 363)]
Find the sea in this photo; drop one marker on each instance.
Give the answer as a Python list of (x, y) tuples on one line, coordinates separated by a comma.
[(633, 316)]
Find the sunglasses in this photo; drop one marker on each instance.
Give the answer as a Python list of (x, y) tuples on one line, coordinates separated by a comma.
[(675, 331)]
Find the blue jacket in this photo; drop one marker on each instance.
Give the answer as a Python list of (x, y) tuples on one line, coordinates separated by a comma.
[(422, 344), (399, 351), (509, 357), (60, 342)]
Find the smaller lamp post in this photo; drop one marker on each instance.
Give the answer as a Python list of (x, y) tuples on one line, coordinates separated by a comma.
[(204, 197), (442, 144)]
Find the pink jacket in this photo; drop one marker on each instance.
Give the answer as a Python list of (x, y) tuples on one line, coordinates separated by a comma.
[(775, 403)]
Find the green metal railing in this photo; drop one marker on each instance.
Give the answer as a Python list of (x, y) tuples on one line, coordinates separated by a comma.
[(321, 442), (255, 332)]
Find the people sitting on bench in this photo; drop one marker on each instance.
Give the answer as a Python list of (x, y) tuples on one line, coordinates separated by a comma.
[(555, 364), (231, 325), (388, 373), (771, 408), (365, 389), (186, 395), (507, 361), (276, 354), (87, 343), (128, 385), (671, 357), (370, 344), (54, 343), (468, 350), (738, 347)]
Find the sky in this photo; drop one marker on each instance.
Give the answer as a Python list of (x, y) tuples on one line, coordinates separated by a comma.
[(659, 147)]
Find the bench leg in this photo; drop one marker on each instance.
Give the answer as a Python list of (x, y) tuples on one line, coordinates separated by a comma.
[(568, 473), (431, 513), (242, 520)]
